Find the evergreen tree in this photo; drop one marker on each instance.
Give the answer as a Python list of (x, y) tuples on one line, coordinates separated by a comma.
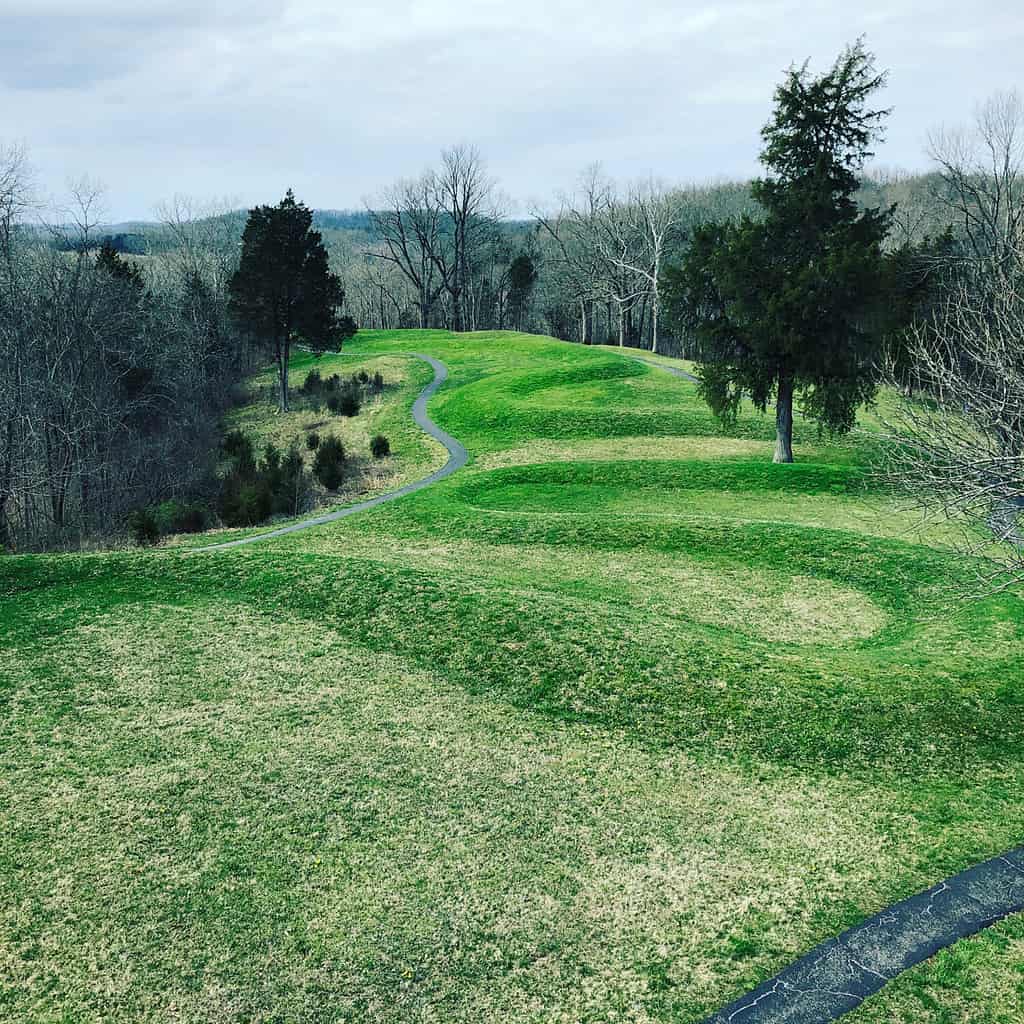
[(791, 303), (283, 287), (522, 276)]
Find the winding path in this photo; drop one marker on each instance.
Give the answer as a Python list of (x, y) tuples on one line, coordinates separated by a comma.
[(457, 458), (674, 370)]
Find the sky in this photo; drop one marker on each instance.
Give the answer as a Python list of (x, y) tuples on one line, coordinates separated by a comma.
[(241, 100)]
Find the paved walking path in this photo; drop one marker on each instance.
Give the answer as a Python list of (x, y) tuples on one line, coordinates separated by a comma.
[(841, 973), (674, 370), (457, 458)]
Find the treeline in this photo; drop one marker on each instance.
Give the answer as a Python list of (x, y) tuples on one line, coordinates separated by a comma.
[(442, 251)]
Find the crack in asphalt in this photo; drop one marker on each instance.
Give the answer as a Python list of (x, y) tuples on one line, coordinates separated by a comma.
[(457, 458)]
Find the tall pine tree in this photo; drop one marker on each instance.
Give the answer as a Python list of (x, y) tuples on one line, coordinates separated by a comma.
[(789, 304), (283, 288)]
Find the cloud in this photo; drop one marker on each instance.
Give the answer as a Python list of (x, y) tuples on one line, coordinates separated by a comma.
[(338, 99)]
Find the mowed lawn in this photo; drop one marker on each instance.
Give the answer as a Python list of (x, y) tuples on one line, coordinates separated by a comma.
[(609, 726)]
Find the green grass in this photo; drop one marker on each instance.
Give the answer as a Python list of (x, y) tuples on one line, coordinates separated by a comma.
[(610, 725)]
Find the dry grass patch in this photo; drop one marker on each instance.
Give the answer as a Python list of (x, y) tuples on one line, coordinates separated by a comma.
[(614, 449), (769, 605), (240, 818)]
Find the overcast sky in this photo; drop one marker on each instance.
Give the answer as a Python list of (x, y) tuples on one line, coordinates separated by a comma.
[(244, 99)]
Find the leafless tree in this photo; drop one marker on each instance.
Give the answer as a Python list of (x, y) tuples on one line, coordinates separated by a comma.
[(407, 217), (981, 180), (655, 212), (206, 237), (590, 237), (959, 450), (437, 231)]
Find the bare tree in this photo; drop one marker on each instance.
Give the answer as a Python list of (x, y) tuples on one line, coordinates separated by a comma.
[(15, 200), (407, 217), (960, 451), (466, 194), (981, 180), (437, 230), (206, 236), (591, 239), (655, 211)]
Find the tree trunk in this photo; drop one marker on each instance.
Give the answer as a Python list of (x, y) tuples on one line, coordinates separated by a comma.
[(283, 353), (784, 419), (654, 319)]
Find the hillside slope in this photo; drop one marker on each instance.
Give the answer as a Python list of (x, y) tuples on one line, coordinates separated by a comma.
[(609, 725)]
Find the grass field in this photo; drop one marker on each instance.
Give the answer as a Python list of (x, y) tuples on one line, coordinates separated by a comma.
[(609, 726)]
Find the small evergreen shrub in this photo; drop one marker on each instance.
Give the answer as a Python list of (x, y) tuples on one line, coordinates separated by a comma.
[(378, 382), (329, 464), (362, 377), (380, 447), (142, 525), (181, 517), (292, 484), (313, 384), (349, 402), (313, 441)]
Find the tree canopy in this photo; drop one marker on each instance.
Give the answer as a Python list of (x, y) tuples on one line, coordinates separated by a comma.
[(789, 303), (284, 288)]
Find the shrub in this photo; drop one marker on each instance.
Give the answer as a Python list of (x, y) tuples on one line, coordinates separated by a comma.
[(243, 502), (143, 527), (362, 377), (349, 402), (334, 404), (313, 383), (236, 444), (313, 441), (378, 381), (380, 447), (239, 448), (329, 464), (181, 517), (270, 469), (292, 484)]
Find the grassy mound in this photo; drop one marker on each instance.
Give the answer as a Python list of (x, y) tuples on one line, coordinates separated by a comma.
[(610, 725)]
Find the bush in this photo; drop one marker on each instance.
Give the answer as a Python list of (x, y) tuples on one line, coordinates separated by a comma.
[(239, 448), (378, 382), (380, 447), (313, 441), (244, 503), (313, 383), (236, 444), (181, 517), (349, 402), (143, 527), (292, 484), (329, 464), (362, 377)]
